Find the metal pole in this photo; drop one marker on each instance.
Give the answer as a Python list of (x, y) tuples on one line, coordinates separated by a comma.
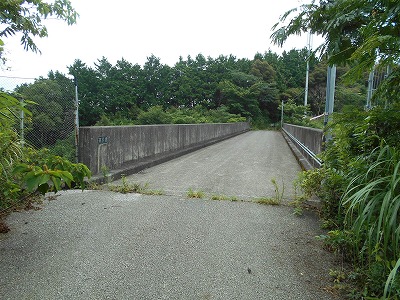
[(22, 117), (388, 71), (76, 120), (282, 115), (370, 87), (306, 88), (330, 98)]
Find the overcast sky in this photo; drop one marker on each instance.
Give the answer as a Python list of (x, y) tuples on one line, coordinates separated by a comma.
[(136, 29)]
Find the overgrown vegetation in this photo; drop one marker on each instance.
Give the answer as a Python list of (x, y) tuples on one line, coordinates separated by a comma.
[(359, 181), (127, 187), (266, 201), (24, 170), (359, 185)]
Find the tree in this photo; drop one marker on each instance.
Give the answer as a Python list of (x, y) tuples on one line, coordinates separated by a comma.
[(157, 82), (360, 32), (90, 107), (52, 113), (358, 180), (26, 17)]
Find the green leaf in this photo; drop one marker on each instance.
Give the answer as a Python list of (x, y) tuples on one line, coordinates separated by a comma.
[(43, 178), (57, 183), (22, 168), (32, 181)]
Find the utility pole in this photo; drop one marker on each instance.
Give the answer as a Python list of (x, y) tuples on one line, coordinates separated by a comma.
[(309, 37)]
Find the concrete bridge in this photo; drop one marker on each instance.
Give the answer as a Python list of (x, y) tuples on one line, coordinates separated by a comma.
[(105, 245), (243, 167)]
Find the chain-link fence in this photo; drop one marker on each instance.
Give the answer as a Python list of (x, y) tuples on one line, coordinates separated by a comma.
[(52, 104)]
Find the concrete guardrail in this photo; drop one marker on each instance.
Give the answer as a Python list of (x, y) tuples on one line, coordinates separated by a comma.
[(308, 142), (129, 149)]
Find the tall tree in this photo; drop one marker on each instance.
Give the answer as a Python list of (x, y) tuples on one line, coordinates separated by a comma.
[(157, 81), (359, 32), (90, 105), (25, 17), (52, 112)]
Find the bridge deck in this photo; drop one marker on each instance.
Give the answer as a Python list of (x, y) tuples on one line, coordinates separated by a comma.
[(106, 245), (242, 166)]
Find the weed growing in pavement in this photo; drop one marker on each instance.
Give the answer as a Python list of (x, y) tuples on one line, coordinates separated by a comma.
[(223, 197), (266, 201), (298, 202), (94, 186), (127, 187), (195, 194), (278, 192), (277, 200), (153, 192)]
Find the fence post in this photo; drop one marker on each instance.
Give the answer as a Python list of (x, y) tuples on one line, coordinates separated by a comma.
[(22, 116), (76, 120)]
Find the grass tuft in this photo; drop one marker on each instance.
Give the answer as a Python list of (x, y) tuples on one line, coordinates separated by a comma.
[(224, 198), (195, 194), (126, 188), (267, 201)]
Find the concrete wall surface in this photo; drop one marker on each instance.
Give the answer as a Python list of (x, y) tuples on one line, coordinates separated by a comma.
[(118, 147), (311, 138)]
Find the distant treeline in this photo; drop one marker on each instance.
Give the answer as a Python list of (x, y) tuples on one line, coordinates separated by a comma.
[(194, 90)]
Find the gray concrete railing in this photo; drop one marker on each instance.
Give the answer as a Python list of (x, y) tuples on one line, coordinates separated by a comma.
[(308, 142), (129, 149)]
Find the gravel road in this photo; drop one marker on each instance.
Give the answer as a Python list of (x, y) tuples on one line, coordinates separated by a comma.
[(106, 245)]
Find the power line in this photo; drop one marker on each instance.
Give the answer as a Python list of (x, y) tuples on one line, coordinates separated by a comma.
[(14, 77)]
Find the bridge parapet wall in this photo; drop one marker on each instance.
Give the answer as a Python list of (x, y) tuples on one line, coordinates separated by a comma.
[(308, 142), (129, 149)]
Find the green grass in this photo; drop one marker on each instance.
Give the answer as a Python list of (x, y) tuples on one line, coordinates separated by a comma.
[(372, 206), (195, 194), (224, 198), (267, 201), (126, 187)]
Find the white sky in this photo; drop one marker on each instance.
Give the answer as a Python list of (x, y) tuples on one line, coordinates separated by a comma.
[(135, 29)]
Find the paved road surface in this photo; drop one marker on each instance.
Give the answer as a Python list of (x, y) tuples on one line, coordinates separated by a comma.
[(104, 245), (242, 166)]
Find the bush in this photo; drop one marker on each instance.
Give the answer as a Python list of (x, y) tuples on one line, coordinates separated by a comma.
[(155, 115), (65, 148), (359, 185)]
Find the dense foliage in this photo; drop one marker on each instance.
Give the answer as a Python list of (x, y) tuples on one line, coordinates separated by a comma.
[(124, 91), (25, 18), (226, 88), (360, 179), (24, 170), (359, 187)]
